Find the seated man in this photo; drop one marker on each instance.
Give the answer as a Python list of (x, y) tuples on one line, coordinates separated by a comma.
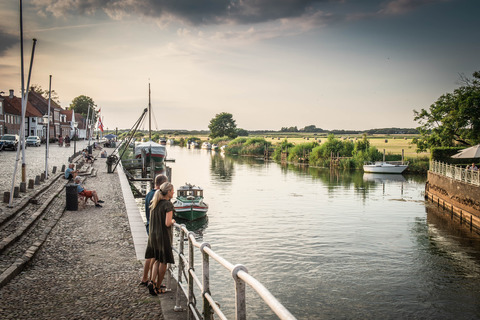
[(88, 194), (87, 157), (70, 173)]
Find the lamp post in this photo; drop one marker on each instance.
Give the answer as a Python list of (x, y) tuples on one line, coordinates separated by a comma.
[(46, 119), (75, 125)]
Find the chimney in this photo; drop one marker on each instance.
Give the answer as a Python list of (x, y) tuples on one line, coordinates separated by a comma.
[(11, 93)]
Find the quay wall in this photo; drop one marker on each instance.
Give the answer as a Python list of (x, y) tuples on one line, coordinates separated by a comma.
[(461, 200)]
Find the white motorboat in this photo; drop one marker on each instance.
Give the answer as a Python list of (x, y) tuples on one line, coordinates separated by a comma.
[(206, 146), (385, 167)]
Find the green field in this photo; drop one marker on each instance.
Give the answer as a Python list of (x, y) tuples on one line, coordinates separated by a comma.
[(393, 144)]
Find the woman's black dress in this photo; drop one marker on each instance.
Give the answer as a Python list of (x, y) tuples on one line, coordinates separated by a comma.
[(159, 240)]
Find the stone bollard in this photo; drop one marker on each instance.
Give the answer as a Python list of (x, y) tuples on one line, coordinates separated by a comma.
[(42, 177), (16, 192), (6, 197), (54, 170), (23, 187), (30, 183), (63, 168), (37, 180)]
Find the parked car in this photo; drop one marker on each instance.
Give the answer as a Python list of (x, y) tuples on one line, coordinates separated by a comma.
[(10, 141), (33, 141)]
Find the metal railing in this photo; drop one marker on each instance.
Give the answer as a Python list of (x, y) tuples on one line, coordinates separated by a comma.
[(455, 172), (240, 277)]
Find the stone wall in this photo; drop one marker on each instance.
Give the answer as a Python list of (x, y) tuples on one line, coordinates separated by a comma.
[(462, 195), (462, 200)]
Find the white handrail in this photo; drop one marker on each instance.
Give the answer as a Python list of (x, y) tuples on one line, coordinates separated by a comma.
[(455, 172), (240, 276)]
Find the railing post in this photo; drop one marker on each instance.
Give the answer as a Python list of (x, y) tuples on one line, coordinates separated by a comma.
[(191, 268), (207, 310), (240, 303), (178, 307)]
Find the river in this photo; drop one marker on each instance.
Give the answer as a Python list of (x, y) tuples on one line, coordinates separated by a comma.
[(329, 244)]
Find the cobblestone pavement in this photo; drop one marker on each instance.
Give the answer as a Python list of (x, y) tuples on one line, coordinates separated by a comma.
[(87, 267), (35, 163)]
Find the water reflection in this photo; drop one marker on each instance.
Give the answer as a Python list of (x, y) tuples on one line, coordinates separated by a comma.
[(197, 226), (222, 168), (443, 231)]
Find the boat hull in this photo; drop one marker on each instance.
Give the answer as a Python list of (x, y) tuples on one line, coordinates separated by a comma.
[(382, 167), (190, 212)]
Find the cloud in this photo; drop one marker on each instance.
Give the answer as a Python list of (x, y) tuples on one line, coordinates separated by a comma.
[(403, 6), (193, 12), (7, 41)]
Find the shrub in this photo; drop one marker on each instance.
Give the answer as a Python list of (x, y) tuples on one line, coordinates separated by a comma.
[(299, 152), (284, 146)]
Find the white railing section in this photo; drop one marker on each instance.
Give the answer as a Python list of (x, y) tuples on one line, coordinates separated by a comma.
[(455, 172), (240, 276)]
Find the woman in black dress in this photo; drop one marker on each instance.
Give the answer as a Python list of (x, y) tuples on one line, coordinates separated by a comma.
[(159, 244)]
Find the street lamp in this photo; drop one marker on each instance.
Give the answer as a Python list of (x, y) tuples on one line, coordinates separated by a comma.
[(75, 125), (46, 119)]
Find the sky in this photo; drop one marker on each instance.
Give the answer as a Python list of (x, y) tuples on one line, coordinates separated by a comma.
[(335, 64)]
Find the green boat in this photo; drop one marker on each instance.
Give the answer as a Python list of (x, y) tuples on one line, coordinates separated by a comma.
[(189, 203)]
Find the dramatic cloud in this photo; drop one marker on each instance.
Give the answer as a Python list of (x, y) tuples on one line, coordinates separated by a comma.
[(189, 11), (404, 6), (7, 41)]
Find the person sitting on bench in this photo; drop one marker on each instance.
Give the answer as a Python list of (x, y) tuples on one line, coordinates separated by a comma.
[(88, 194), (88, 157), (71, 173)]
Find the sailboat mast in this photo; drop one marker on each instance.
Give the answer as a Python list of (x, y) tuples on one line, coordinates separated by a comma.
[(149, 114)]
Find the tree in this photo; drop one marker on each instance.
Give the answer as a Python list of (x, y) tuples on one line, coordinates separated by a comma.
[(81, 103), (454, 119), (223, 125), (242, 132), (44, 93)]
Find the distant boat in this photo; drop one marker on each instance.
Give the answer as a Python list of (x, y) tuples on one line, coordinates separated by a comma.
[(206, 146), (151, 150), (156, 151), (170, 142), (163, 141), (385, 167), (193, 144), (189, 203)]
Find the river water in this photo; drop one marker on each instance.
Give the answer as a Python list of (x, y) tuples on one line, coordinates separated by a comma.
[(330, 245)]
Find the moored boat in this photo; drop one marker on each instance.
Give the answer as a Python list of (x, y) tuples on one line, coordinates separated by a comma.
[(385, 167), (189, 203), (206, 146)]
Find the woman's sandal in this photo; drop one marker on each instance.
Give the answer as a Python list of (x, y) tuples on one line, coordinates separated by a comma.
[(151, 288), (160, 290), (144, 283)]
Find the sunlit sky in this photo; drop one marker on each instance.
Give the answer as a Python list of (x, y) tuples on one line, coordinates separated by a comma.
[(343, 64)]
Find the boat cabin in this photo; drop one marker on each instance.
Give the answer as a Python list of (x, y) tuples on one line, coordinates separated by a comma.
[(189, 192)]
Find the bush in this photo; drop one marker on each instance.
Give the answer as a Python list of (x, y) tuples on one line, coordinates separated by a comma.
[(251, 146), (282, 147), (299, 152), (221, 140)]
